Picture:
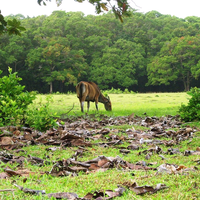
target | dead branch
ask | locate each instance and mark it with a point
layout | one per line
(7, 190)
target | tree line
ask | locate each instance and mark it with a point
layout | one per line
(146, 53)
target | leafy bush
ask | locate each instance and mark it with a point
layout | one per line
(39, 116)
(14, 105)
(191, 111)
(119, 91)
(13, 100)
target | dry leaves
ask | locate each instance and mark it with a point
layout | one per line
(80, 132)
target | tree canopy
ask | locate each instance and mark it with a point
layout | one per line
(147, 52)
(120, 8)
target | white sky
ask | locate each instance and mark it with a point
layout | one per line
(179, 8)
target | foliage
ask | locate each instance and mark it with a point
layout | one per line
(177, 60)
(15, 105)
(119, 63)
(13, 100)
(118, 91)
(191, 111)
(10, 26)
(120, 9)
(59, 50)
(39, 116)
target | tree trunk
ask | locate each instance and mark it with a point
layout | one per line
(51, 87)
(61, 87)
(186, 82)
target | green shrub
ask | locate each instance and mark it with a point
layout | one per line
(39, 116)
(13, 100)
(118, 91)
(14, 105)
(191, 111)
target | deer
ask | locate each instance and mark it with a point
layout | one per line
(89, 91)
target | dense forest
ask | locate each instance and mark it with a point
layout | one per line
(146, 53)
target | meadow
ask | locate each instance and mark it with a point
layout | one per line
(180, 186)
(153, 104)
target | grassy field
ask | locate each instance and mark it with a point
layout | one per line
(181, 186)
(153, 104)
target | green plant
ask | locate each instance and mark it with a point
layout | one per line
(39, 115)
(126, 91)
(13, 100)
(191, 111)
(118, 91)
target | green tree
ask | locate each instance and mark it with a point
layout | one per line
(16, 51)
(120, 65)
(10, 26)
(175, 61)
(54, 60)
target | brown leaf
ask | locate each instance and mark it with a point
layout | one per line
(104, 131)
(109, 194)
(138, 167)
(12, 172)
(112, 194)
(11, 146)
(6, 141)
(63, 195)
(17, 132)
(198, 149)
(180, 167)
(93, 166)
(77, 169)
(148, 156)
(69, 136)
(143, 189)
(130, 185)
(22, 172)
(79, 142)
(125, 151)
(133, 147)
(102, 162)
(28, 136)
(4, 175)
(94, 195)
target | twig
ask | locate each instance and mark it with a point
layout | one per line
(7, 190)
(69, 110)
(30, 191)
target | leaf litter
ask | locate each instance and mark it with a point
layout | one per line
(81, 132)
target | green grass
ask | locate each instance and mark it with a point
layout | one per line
(181, 186)
(153, 104)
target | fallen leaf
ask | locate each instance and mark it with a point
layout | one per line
(63, 195)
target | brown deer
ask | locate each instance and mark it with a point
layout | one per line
(89, 91)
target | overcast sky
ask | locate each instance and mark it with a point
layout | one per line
(179, 8)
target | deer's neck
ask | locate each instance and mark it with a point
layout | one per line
(102, 99)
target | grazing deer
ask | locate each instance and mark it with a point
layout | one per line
(89, 91)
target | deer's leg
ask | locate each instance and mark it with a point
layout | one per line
(96, 104)
(82, 106)
(88, 105)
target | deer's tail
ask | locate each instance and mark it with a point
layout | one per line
(81, 89)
